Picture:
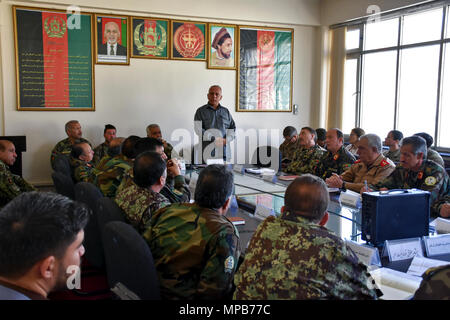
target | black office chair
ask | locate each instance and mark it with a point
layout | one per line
(130, 261)
(63, 184)
(62, 164)
(108, 211)
(89, 194)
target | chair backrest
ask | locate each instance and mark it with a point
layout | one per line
(89, 194)
(107, 211)
(130, 261)
(62, 164)
(264, 155)
(63, 184)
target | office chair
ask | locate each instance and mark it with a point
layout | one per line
(130, 261)
(63, 184)
(89, 194)
(62, 164)
(107, 211)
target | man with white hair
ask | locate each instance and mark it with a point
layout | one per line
(372, 166)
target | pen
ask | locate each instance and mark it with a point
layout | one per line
(365, 185)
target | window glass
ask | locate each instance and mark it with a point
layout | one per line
(444, 136)
(352, 39)
(381, 34)
(423, 26)
(418, 90)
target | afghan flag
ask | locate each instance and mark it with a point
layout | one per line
(265, 69)
(54, 60)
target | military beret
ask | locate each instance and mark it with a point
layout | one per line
(219, 35)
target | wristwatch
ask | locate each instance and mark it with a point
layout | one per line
(343, 186)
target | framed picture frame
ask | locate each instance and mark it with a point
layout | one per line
(111, 40)
(150, 38)
(222, 46)
(265, 59)
(188, 40)
(52, 73)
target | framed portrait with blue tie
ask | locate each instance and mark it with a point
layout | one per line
(112, 40)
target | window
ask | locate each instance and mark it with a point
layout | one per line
(403, 71)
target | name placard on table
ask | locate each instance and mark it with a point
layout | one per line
(366, 254)
(403, 249)
(437, 245)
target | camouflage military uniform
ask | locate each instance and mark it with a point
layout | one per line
(337, 163)
(110, 178)
(435, 284)
(139, 204)
(393, 155)
(11, 185)
(99, 152)
(169, 150)
(291, 258)
(64, 147)
(82, 171)
(288, 149)
(306, 160)
(430, 177)
(196, 251)
(435, 156)
(359, 172)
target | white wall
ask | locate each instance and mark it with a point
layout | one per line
(166, 92)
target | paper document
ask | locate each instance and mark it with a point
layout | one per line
(350, 198)
(260, 170)
(420, 264)
(442, 225)
(395, 285)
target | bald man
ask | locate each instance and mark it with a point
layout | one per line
(112, 47)
(11, 185)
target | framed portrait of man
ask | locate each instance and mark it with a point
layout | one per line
(150, 38)
(222, 46)
(188, 40)
(111, 40)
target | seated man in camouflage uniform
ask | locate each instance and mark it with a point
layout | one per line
(154, 131)
(289, 145)
(195, 247)
(11, 185)
(415, 171)
(336, 159)
(81, 163)
(141, 198)
(372, 166)
(296, 257)
(64, 147)
(307, 157)
(393, 140)
(175, 189)
(432, 155)
(321, 136)
(109, 133)
(435, 284)
(113, 171)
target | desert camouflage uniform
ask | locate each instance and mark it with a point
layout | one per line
(288, 149)
(11, 185)
(196, 251)
(430, 177)
(306, 160)
(337, 163)
(292, 258)
(99, 152)
(435, 156)
(435, 284)
(139, 204)
(64, 147)
(110, 178)
(359, 172)
(82, 171)
(393, 155)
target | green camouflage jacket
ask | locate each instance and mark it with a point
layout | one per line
(435, 156)
(99, 152)
(430, 177)
(11, 185)
(288, 149)
(196, 251)
(393, 155)
(110, 178)
(291, 258)
(337, 163)
(306, 160)
(139, 204)
(82, 171)
(64, 147)
(435, 284)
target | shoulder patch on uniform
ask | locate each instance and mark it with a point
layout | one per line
(430, 181)
(229, 264)
(384, 163)
(336, 156)
(357, 161)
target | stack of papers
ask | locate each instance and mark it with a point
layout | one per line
(260, 170)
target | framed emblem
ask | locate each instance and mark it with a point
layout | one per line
(222, 46)
(111, 40)
(188, 40)
(54, 60)
(150, 38)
